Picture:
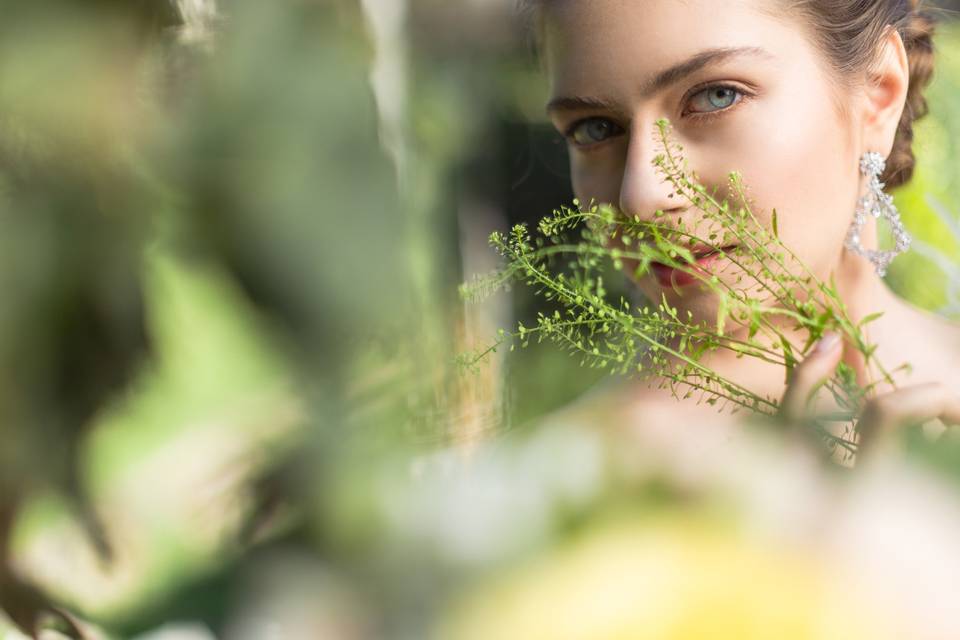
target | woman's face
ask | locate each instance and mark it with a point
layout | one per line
(743, 90)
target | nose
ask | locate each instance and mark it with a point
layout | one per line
(644, 189)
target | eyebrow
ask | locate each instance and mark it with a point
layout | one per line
(663, 79)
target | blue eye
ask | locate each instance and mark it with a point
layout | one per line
(715, 98)
(592, 130)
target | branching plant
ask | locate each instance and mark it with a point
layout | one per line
(771, 306)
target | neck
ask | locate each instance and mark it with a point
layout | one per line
(865, 293)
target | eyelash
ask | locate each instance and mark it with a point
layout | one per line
(699, 118)
(706, 116)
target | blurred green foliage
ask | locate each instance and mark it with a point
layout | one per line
(298, 291)
(277, 259)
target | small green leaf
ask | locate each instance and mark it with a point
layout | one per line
(870, 318)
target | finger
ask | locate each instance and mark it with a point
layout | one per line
(884, 415)
(807, 376)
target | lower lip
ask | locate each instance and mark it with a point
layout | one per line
(669, 277)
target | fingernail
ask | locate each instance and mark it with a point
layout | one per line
(827, 343)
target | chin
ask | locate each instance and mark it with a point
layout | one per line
(701, 302)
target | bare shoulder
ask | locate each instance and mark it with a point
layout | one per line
(950, 338)
(927, 341)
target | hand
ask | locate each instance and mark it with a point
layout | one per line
(883, 415)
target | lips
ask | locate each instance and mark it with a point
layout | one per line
(704, 256)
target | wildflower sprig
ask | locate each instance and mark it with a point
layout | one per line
(772, 299)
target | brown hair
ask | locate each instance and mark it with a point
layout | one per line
(848, 32)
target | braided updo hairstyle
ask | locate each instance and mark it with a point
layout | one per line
(847, 33)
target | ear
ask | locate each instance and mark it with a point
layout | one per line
(885, 95)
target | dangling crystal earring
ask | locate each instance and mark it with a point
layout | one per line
(878, 204)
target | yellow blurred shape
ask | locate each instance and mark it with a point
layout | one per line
(677, 577)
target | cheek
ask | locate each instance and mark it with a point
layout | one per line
(797, 157)
(598, 175)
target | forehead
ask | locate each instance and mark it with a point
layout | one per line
(596, 43)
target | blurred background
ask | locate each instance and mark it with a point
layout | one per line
(233, 234)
